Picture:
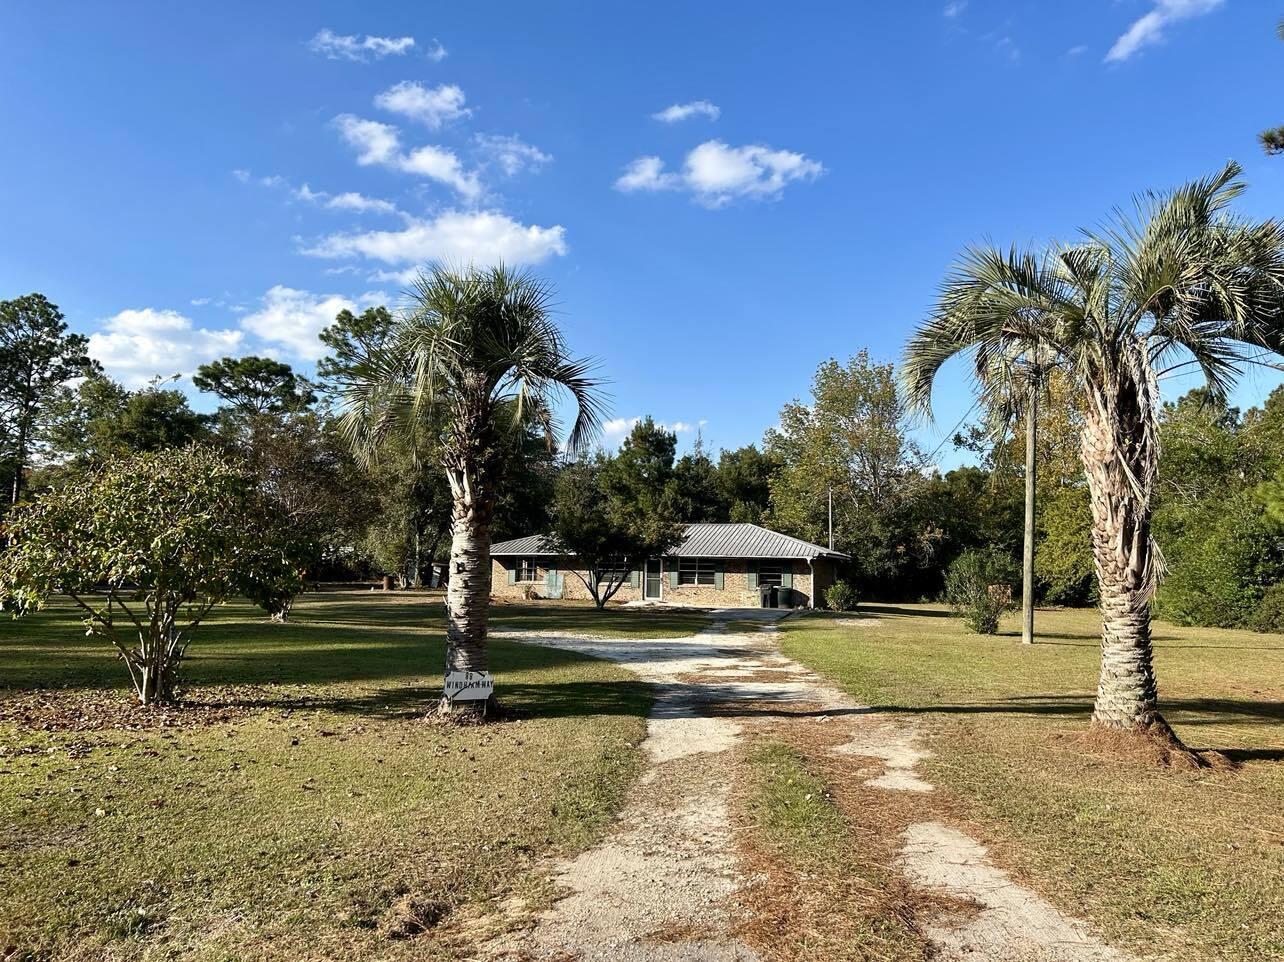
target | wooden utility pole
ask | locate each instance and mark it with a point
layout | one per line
(831, 517)
(1027, 567)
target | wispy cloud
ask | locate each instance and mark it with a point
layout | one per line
(715, 173)
(380, 144)
(431, 106)
(436, 53)
(347, 201)
(510, 153)
(955, 9)
(678, 112)
(1149, 29)
(356, 48)
(245, 177)
(1078, 50)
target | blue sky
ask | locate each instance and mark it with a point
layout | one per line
(193, 180)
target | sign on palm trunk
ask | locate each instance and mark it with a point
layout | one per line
(469, 685)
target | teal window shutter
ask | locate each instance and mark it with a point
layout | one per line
(673, 572)
(753, 576)
(511, 565)
(718, 575)
(787, 575)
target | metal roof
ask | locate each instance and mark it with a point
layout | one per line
(701, 541)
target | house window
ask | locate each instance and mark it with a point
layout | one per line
(771, 576)
(610, 576)
(697, 571)
(527, 570)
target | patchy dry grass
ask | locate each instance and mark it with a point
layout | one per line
(1185, 864)
(302, 809)
(819, 849)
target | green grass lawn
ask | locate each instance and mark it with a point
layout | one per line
(614, 621)
(1186, 864)
(301, 808)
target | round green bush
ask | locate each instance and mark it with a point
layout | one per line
(840, 596)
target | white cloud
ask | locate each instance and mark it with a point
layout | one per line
(352, 47)
(376, 143)
(717, 174)
(293, 318)
(678, 112)
(646, 173)
(1149, 29)
(481, 237)
(440, 164)
(436, 53)
(955, 9)
(380, 144)
(431, 106)
(242, 175)
(137, 345)
(349, 200)
(511, 154)
(616, 430)
(1078, 50)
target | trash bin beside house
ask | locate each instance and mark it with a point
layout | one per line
(784, 597)
(768, 596)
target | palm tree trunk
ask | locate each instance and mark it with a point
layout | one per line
(1127, 696)
(1027, 561)
(468, 590)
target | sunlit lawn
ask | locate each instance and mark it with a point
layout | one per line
(302, 808)
(1192, 861)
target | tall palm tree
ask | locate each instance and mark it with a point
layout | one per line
(476, 356)
(1179, 281)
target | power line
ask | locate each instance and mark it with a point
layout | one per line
(950, 434)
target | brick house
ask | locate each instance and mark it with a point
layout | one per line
(715, 566)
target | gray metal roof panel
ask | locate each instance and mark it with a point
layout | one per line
(701, 541)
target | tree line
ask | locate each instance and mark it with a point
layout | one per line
(460, 386)
(849, 444)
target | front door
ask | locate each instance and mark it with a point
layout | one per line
(653, 579)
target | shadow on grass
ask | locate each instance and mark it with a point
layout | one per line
(518, 701)
(1242, 755)
(866, 608)
(1219, 711)
(1161, 641)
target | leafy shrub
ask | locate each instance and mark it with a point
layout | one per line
(146, 547)
(978, 585)
(840, 596)
(1221, 556)
(1269, 615)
